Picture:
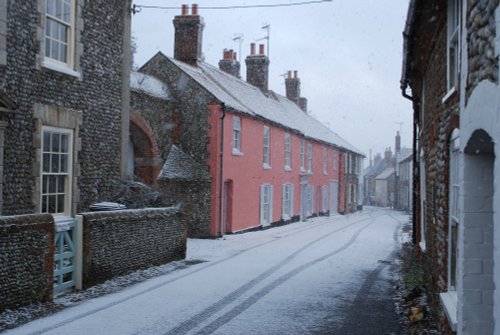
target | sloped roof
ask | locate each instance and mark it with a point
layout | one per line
(386, 173)
(181, 166)
(243, 97)
(144, 83)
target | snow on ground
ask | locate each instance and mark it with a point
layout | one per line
(288, 278)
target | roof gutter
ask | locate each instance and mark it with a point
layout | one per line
(410, 20)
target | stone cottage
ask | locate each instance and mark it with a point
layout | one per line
(252, 157)
(64, 101)
(451, 53)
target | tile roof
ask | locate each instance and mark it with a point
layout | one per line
(243, 97)
(181, 166)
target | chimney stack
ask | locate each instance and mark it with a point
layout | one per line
(388, 156)
(229, 64)
(188, 35)
(292, 86)
(398, 144)
(258, 68)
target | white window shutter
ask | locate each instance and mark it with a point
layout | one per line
(271, 203)
(262, 190)
(283, 190)
(292, 200)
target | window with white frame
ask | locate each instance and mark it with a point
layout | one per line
(287, 201)
(302, 155)
(335, 160)
(309, 158)
(59, 31)
(454, 211)
(266, 204)
(325, 198)
(346, 164)
(236, 135)
(325, 161)
(267, 147)
(56, 172)
(453, 43)
(288, 152)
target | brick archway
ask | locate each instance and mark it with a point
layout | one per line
(146, 162)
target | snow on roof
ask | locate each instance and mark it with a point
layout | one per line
(386, 173)
(144, 83)
(181, 166)
(246, 98)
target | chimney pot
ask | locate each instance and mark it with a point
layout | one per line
(252, 49)
(184, 9)
(261, 49)
(234, 55)
(295, 74)
(188, 36)
(289, 74)
(194, 9)
(229, 64)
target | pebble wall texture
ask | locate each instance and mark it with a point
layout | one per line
(96, 94)
(481, 34)
(26, 260)
(117, 243)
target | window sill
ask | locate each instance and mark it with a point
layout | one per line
(287, 168)
(449, 301)
(266, 166)
(60, 68)
(448, 95)
(236, 152)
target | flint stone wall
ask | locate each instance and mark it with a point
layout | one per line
(26, 260)
(119, 242)
(481, 35)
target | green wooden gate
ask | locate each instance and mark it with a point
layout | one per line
(64, 255)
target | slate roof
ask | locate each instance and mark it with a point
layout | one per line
(181, 166)
(386, 173)
(144, 83)
(243, 97)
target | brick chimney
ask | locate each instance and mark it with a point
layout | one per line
(229, 64)
(398, 144)
(188, 35)
(292, 85)
(388, 156)
(258, 68)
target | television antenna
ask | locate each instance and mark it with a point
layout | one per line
(267, 28)
(238, 38)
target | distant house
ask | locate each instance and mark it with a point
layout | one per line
(64, 92)
(405, 183)
(385, 187)
(451, 55)
(265, 160)
(370, 174)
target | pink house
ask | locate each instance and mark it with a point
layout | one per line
(268, 161)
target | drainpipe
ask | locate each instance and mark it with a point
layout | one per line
(221, 180)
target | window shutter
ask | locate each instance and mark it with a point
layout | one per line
(262, 190)
(292, 200)
(271, 203)
(283, 190)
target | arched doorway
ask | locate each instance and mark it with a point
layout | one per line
(144, 160)
(478, 230)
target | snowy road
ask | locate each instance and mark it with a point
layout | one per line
(323, 276)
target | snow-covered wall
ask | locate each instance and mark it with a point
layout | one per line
(119, 242)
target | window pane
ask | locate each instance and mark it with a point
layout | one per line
(44, 208)
(67, 11)
(52, 204)
(64, 163)
(52, 184)
(64, 143)
(60, 203)
(55, 163)
(54, 50)
(60, 184)
(45, 184)
(46, 141)
(46, 162)
(55, 142)
(58, 12)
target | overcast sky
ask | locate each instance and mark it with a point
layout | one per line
(348, 55)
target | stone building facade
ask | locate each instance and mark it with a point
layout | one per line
(451, 64)
(64, 92)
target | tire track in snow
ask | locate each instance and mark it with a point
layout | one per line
(171, 280)
(197, 319)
